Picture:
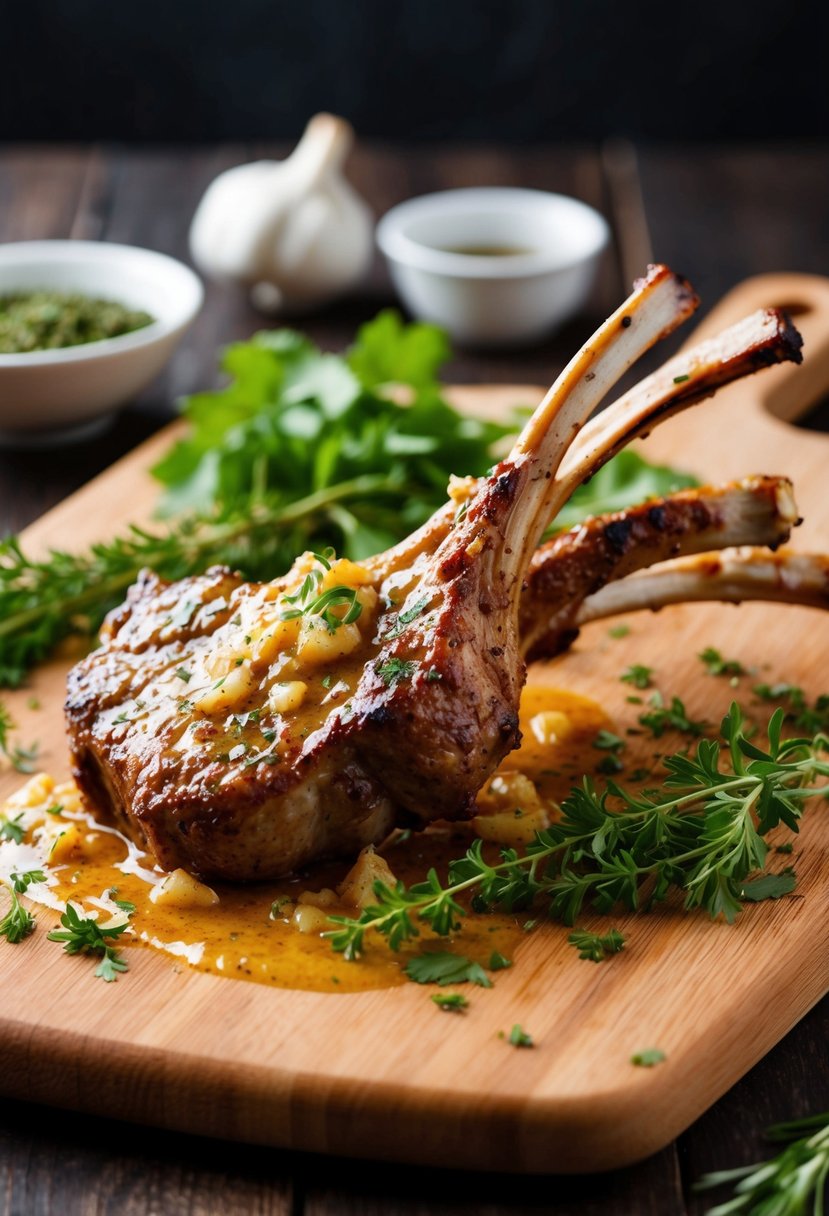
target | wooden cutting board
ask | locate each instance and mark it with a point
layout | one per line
(385, 1074)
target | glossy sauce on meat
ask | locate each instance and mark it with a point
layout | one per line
(250, 933)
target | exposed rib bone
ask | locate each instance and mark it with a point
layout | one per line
(783, 578)
(575, 565)
(764, 338)
(760, 340)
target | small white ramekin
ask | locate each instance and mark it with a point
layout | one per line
(49, 394)
(493, 299)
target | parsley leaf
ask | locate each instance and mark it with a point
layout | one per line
(441, 967)
(83, 935)
(18, 922)
(770, 886)
(395, 669)
(595, 947)
(518, 1037)
(452, 1002)
(716, 665)
(672, 717)
(648, 1058)
(638, 675)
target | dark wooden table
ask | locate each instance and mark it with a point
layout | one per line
(716, 215)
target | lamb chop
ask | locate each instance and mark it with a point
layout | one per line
(241, 731)
(578, 566)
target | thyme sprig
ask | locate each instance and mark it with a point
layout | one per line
(702, 835)
(793, 1183)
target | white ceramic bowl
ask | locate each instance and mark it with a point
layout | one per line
(50, 394)
(493, 299)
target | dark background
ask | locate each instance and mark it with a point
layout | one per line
(525, 70)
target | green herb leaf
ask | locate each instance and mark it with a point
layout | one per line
(769, 886)
(716, 665)
(638, 675)
(83, 935)
(624, 481)
(790, 1184)
(440, 967)
(395, 669)
(519, 1037)
(595, 947)
(672, 717)
(648, 1058)
(452, 1002)
(497, 962)
(18, 923)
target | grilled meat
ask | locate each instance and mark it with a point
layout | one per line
(242, 730)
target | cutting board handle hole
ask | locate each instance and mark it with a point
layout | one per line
(816, 417)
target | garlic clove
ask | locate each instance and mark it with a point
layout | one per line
(293, 230)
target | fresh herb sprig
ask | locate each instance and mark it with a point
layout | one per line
(596, 947)
(83, 935)
(309, 601)
(18, 922)
(794, 1183)
(21, 758)
(300, 450)
(703, 835)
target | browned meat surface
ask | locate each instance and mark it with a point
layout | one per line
(244, 730)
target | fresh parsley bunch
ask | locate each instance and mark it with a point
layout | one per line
(301, 450)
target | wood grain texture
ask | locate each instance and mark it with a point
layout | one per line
(308, 1070)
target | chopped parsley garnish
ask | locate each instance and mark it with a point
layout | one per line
(798, 712)
(518, 1037)
(618, 631)
(595, 947)
(606, 741)
(395, 669)
(184, 674)
(451, 1002)
(716, 665)
(638, 675)
(497, 962)
(11, 828)
(770, 886)
(18, 922)
(663, 717)
(440, 967)
(310, 602)
(681, 379)
(406, 618)
(648, 1058)
(83, 935)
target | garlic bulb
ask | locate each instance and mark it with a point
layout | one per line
(294, 230)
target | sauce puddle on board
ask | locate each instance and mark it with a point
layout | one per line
(250, 932)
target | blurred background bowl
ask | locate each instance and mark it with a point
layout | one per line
(50, 395)
(493, 266)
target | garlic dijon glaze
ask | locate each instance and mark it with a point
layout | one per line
(272, 933)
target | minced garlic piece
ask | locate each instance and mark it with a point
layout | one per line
(318, 644)
(510, 811)
(282, 698)
(181, 890)
(357, 888)
(227, 692)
